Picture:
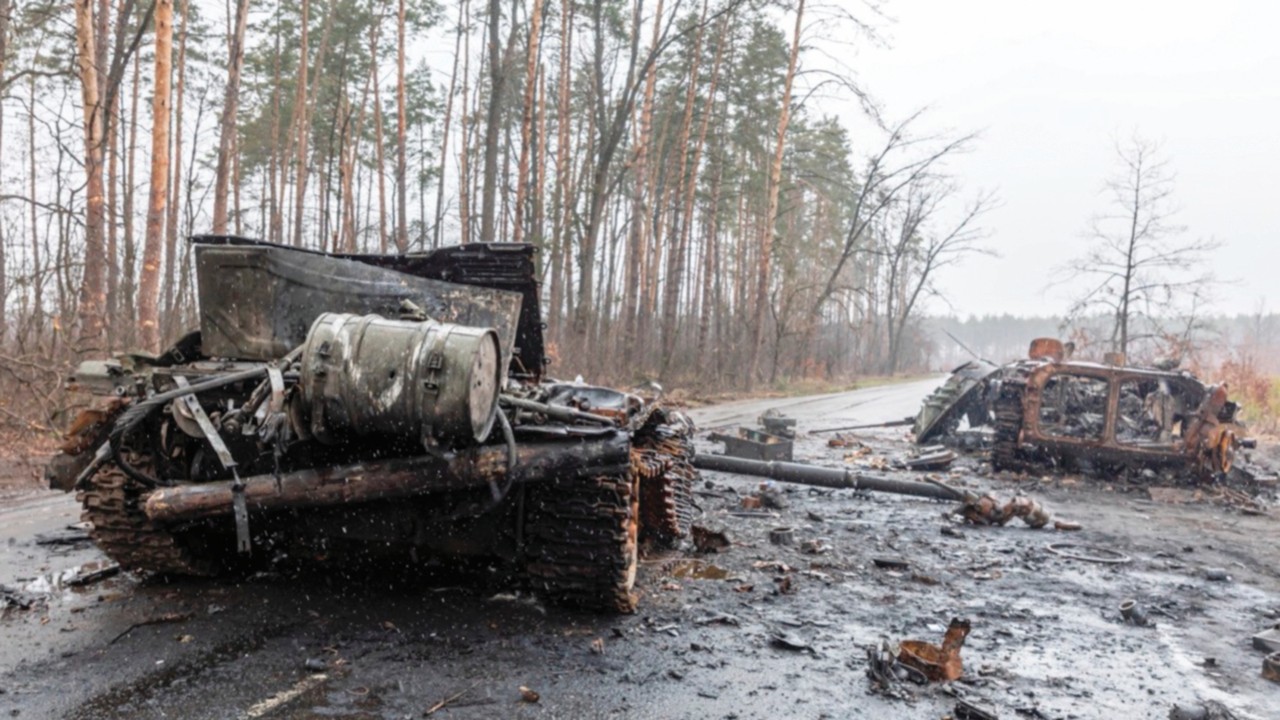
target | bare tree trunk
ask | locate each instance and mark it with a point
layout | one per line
(351, 157)
(497, 79)
(380, 155)
(537, 234)
(171, 295)
(402, 213)
(526, 122)
(277, 163)
(37, 269)
(464, 174)
(301, 140)
(92, 285)
(448, 118)
(771, 216)
(128, 265)
(4, 240)
(640, 230)
(688, 180)
(227, 131)
(561, 198)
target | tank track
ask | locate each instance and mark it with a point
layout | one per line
(112, 502)
(1005, 451)
(663, 461)
(582, 540)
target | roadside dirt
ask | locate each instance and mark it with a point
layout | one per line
(757, 631)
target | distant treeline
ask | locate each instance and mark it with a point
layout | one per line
(1204, 342)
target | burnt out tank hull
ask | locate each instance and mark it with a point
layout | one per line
(388, 404)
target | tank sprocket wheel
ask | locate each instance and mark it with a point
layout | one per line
(112, 503)
(582, 540)
(663, 460)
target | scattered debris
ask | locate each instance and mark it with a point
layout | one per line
(782, 536)
(966, 710)
(698, 570)
(597, 646)
(1207, 711)
(1133, 613)
(315, 665)
(88, 576)
(776, 423)
(1271, 667)
(816, 546)
(706, 540)
(1067, 525)
(719, 618)
(788, 641)
(890, 563)
(938, 663)
(10, 598)
(1217, 575)
(752, 444)
(1088, 553)
(446, 702)
(1268, 640)
(158, 620)
(935, 457)
(70, 535)
(986, 510)
(528, 695)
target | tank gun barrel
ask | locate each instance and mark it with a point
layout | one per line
(802, 474)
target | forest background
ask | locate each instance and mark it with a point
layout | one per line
(706, 213)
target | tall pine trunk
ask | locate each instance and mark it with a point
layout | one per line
(771, 215)
(227, 129)
(93, 281)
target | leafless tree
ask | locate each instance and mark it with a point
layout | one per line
(1139, 265)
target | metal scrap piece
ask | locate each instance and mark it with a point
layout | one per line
(938, 663)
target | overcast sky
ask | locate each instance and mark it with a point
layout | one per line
(1052, 86)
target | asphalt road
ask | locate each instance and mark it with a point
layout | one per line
(401, 642)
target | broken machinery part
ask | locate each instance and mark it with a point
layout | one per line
(938, 663)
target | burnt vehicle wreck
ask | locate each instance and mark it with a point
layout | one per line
(1048, 411)
(351, 406)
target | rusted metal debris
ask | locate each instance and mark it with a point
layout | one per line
(753, 444)
(939, 663)
(776, 423)
(707, 540)
(1271, 667)
(1050, 411)
(987, 510)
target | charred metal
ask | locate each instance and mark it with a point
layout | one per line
(395, 403)
(1051, 412)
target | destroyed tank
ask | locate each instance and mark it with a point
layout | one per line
(1049, 410)
(353, 406)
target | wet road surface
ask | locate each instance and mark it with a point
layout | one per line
(1046, 642)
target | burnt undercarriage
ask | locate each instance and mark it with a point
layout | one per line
(331, 409)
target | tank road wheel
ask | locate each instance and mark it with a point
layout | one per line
(1005, 452)
(582, 540)
(663, 460)
(112, 502)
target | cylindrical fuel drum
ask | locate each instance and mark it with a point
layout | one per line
(367, 375)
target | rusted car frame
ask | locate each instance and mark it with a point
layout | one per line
(1110, 417)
